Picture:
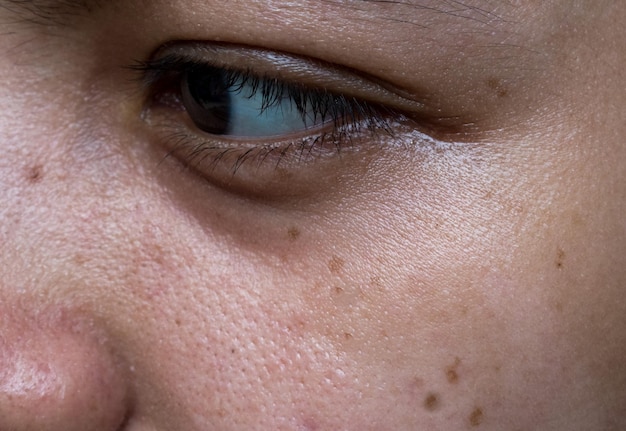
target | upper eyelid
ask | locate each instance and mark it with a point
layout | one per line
(311, 73)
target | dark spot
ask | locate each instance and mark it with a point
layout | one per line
(431, 403)
(558, 306)
(451, 372)
(560, 258)
(178, 322)
(293, 234)
(498, 87)
(233, 351)
(452, 375)
(35, 173)
(347, 336)
(476, 418)
(336, 264)
(338, 290)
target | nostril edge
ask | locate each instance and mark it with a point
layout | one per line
(58, 375)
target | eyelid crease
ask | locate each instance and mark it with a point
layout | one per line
(306, 71)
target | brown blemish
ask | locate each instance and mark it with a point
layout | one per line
(293, 233)
(498, 87)
(35, 174)
(336, 264)
(178, 322)
(560, 258)
(431, 403)
(347, 336)
(558, 306)
(452, 373)
(476, 418)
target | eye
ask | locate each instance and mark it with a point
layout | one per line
(222, 102)
(235, 114)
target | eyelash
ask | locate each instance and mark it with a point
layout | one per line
(344, 118)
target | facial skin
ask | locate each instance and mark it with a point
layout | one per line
(465, 271)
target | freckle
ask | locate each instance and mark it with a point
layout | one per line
(431, 403)
(558, 306)
(560, 257)
(336, 264)
(452, 376)
(347, 336)
(476, 418)
(35, 174)
(293, 234)
(497, 85)
(451, 372)
(178, 322)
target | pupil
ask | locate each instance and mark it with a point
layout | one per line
(207, 99)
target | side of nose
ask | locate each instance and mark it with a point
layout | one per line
(57, 373)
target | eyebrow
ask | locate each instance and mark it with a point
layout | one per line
(51, 12)
(64, 12)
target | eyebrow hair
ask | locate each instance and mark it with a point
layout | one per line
(63, 12)
(50, 12)
(452, 8)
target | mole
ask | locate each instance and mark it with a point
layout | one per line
(476, 418)
(451, 372)
(560, 257)
(431, 403)
(35, 174)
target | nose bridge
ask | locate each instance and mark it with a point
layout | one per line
(58, 374)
